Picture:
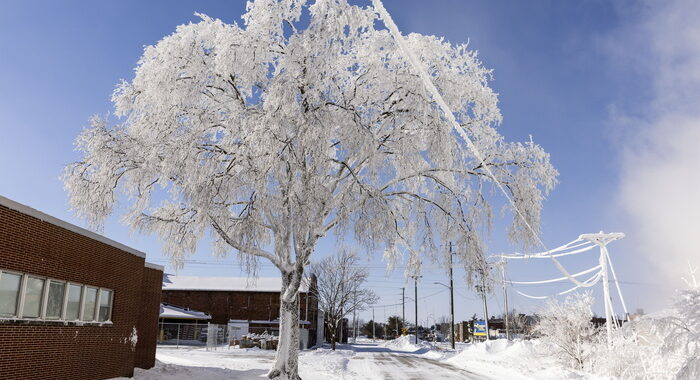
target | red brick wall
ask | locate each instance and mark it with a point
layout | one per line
(224, 306)
(45, 350)
(148, 320)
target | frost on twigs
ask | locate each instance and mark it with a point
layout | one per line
(664, 345)
(567, 331)
(271, 134)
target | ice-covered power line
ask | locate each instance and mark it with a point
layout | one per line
(597, 267)
(430, 86)
(601, 240)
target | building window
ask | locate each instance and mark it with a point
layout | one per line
(73, 302)
(28, 296)
(34, 290)
(105, 312)
(89, 304)
(9, 293)
(54, 299)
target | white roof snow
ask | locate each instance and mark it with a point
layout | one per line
(240, 284)
(170, 311)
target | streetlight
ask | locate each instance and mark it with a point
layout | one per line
(452, 302)
(452, 312)
(427, 323)
(415, 284)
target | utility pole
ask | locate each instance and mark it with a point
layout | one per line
(505, 296)
(606, 294)
(486, 313)
(452, 303)
(403, 305)
(397, 327)
(374, 335)
(415, 294)
(482, 289)
(354, 317)
(602, 239)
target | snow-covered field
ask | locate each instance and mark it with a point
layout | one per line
(398, 359)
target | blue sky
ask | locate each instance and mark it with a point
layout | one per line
(559, 74)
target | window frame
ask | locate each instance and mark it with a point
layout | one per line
(65, 301)
(26, 277)
(99, 303)
(18, 302)
(94, 308)
(45, 301)
(44, 298)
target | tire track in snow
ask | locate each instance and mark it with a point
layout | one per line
(394, 366)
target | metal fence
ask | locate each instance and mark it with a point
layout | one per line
(208, 335)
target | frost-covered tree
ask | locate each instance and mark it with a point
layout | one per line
(686, 335)
(567, 330)
(663, 345)
(273, 133)
(340, 288)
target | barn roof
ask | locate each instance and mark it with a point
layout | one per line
(239, 284)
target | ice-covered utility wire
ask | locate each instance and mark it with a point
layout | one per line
(586, 284)
(529, 296)
(394, 30)
(544, 255)
(553, 279)
(589, 283)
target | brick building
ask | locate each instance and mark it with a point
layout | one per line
(250, 304)
(73, 304)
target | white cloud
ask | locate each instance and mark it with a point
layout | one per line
(659, 188)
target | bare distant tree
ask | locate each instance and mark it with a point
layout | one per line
(340, 291)
(443, 325)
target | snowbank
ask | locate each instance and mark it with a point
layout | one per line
(423, 349)
(513, 360)
(405, 343)
(397, 359)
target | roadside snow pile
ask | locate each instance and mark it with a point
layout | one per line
(241, 364)
(325, 360)
(405, 343)
(163, 371)
(514, 360)
(424, 349)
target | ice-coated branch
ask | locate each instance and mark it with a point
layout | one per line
(272, 134)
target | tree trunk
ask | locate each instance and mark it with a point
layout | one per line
(287, 358)
(333, 340)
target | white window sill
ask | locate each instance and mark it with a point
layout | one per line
(52, 322)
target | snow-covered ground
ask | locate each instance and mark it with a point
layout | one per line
(398, 359)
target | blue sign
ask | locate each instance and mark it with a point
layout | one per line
(479, 328)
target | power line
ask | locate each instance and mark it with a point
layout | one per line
(420, 298)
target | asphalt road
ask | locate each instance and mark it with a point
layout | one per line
(387, 364)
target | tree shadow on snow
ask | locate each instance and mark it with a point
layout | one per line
(364, 347)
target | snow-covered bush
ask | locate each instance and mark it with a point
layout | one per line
(566, 330)
(686, 334)
(664, 345)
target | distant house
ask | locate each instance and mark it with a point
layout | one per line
(249, 305)
(73, 304)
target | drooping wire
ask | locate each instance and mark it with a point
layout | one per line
(428, 83)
